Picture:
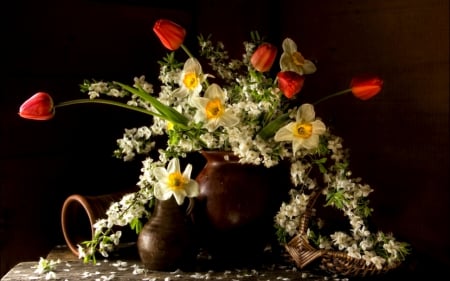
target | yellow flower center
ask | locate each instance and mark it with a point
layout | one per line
(303, 130)
(190, 80)
(176, 181)
(214, 109)
(298, 59)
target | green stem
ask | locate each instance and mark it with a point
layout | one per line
(332, 96)
(186, 50)
(109, 102)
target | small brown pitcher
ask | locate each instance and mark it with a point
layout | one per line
(79, 214)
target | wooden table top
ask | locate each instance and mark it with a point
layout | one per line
(71, 268)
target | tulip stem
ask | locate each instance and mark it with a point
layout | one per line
(333, 95)
(186, 50)
(109, 102)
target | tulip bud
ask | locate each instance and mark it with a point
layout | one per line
(290, 83)
(364, 87)
(263, 58)
(171, 34)
(38, 107)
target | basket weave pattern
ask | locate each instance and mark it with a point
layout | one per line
(332, 261)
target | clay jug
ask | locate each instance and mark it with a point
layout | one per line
(165, 243)
(79, 213)
(234, 213)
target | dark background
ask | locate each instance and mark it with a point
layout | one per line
(399, 140)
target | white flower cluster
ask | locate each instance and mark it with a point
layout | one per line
(131, 207)
(135, 141)
(290, 213)
(228, 111)
(250, 97)
(47, 267)
(348, 195)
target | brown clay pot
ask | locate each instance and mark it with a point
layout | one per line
(234, 213)
(166, 241)
(79, 213)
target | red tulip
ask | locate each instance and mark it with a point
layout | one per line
(38, 107)
(290, 83)
(263, 58)
(171, 34)
(364, 86)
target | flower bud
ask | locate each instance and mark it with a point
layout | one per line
(365, 86)
(263, 58)
(171, 34)
(290, 83)
(38, 107)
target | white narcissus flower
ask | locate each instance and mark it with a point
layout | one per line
(191, 79)
(172, 182)
(304, 132)
(292, 60)
(212, 109)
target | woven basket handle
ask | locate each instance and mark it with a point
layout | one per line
(299, 248)
(304, 220)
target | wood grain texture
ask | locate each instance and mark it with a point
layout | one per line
(133, 271)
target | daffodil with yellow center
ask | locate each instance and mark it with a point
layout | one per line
(176, 181)
(293, 60)
(304, 132)
(172, 182)
(191, 79)
(212, 110)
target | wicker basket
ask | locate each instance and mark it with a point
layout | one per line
(334, 262)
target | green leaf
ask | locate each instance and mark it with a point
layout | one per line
(170, 61)
(136, 225)
(281, 234)
(336, 199)
(320, 163)
(364, 210)
(270, 129)
(321, 160)
(168, 113)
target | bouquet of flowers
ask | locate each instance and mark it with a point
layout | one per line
(237, 106)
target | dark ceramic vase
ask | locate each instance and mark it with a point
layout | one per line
(165, 243)
(234, 213)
